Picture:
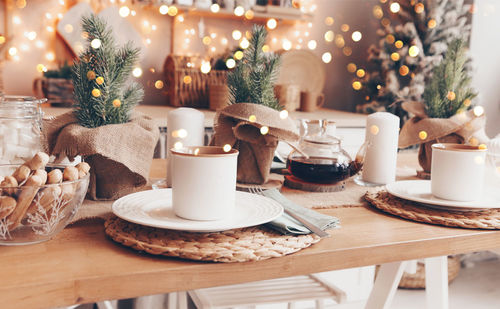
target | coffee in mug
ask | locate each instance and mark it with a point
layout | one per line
(311, 101)
(204, 182)
(457, 171)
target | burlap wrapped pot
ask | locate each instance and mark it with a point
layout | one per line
(461, 128)
(120, 155)
(234, 126)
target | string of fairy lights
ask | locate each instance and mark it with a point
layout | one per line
(296, 36)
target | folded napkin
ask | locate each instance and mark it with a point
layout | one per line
(288, 225)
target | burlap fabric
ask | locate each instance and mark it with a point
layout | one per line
(460, 129)
(120, 155)
(233, 126)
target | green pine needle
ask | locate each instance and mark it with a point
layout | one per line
(253, 79)
(114, 65)
(449, 91)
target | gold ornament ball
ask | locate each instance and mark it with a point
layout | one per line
(117, 103)
(96, 92)
(99, 80)
(90, 75)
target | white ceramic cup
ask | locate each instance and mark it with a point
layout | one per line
(457, 171)
(203, 182)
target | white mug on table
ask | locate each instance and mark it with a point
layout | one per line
(204, 182)
(457, 171)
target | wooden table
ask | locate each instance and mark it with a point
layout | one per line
(82, 265)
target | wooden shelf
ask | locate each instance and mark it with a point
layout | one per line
(283, 16)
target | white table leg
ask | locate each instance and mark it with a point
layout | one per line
(436, 282)
(385, 286)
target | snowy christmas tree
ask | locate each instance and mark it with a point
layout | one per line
(414, 36)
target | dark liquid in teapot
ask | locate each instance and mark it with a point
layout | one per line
(322, 170)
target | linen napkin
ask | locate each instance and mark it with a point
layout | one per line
(288, 225)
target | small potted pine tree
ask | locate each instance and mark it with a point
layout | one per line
(253, 122)
(447, 114)
(116, 142)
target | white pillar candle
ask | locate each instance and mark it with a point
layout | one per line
(382, 131)
(185, 127)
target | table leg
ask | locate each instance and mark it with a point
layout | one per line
(436, 282)
(385, 286)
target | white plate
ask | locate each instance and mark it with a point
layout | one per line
(154, 208)
(420, 191)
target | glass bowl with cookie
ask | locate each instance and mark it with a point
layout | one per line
(38, 200)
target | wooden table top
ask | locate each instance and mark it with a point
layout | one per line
(82, 265)
(159, 114)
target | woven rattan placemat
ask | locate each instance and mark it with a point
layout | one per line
(238, 245)
(485, 219)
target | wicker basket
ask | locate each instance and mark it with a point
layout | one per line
(58, 91)
(188, 86)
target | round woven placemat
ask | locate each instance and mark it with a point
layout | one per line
(238, 245)
(484, 219)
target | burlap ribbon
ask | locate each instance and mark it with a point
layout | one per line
(120, 155)
(460, 128)
(234, 126)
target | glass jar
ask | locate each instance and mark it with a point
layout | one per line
(20, 128)
(317, 127)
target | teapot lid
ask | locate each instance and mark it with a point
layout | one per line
(322, 139)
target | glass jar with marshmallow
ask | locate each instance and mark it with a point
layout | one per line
(20, 128)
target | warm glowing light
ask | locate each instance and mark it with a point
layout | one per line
(419, 8)
(182, 133)
(205, 67)
(187, 79)
(374, 129)
(339, 41)
(206, 40)
(124, 11)
(347, 51)
(239, 11)
(172, 11)
(360, 73)
(50, 29)
(356, 85)
(385, 22)
(431, 23)
(21, 4)
(482, 147)
(41, 68)
(473, 141)
(422, 135)
(244, 43)
(90, 75)
(99, 80)
(344, 27)
(238, 55)
(252, 118)
(398, 44)
(16, 20)
(329, 36)
(379, 87)
(312, 44)
(395, 56)
(351, 67)
(287, 45)
(177, 145)
(326, 57)
(96, 92)
(378, 12)
(215, 8)
(163, 9)
(451, 95)
(50, 56)
(227, 148)
(2, 39)
(159, 84)
(271, 23)
(197, 151)
(413, 51)
(249, 14)
(478, 111)
(95, 43)
(230, 63)
(356, 36)
(284, 114)
(117, 103)
(390, 39)
(395, 7)
(404, 70)
(265, 48)
(467, 102)
(137, 72)
(329, 21)
(264, 130)
(236, 34)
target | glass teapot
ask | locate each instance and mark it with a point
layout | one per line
(319, 158)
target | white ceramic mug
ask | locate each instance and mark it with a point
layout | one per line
(457, 171)
(203, 182)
